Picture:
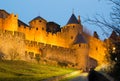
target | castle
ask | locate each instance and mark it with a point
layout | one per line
(68, 44)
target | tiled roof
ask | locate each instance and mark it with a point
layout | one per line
(73, 20)
(79, 39)
(21, 22)
(38, 17)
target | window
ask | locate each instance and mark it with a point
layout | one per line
(40, 21)
(36, 28)
(29, 28)
(42, 28)
(79, 45)
(96, 48)
(71, 37)
(73, 26)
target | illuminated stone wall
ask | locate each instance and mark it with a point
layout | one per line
(57, 46)
(76, 56)
(9, 23)
(37, 32)
(97, 50)
(12, 45)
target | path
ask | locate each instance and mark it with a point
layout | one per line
(82, 77)
(93, 76)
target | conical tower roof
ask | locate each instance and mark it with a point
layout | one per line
(73, 20)
(113, 35)
(79, 39)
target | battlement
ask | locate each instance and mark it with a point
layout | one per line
(12, 33)
(39, 44)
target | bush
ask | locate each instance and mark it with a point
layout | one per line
(37, 57)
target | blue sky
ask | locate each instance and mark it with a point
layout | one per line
(57, 10)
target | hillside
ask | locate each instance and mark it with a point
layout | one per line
(24, 71)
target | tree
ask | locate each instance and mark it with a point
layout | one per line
(2, 55)
(114, 21)
(114, 24)
(37, 57)
(115, 57)
(13, 54)
(31, 55)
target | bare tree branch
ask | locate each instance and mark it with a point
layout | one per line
(114, 21)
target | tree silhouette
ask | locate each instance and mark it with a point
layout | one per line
(114, 24)
(114, 21)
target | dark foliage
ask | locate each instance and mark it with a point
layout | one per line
(95, 76)
(114, 21)
(115, 56)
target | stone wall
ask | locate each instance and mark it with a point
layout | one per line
(34, 39)
(10, 22)
(97, 50)
(76, 56)
(37, 32)
(12, 44)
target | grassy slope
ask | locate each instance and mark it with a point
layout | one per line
(24, 71)
(70, 77)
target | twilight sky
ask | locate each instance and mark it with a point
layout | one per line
(58, 11)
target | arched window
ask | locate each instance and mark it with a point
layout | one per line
(40, 21)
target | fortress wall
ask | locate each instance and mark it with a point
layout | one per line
(51, 52)
(21, 28)
(11, 23)
(97, 50)
(60, 54)
(1, 23)
(56, 39)
(36, 40)
(12, 44)
(38, 33)
(78, 55)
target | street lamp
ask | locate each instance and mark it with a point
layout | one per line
(113, 50)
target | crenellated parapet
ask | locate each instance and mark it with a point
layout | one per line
(11, 23)
(97, 50)
(12, 44)
(7, 33)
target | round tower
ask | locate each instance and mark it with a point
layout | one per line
(81, 46)
(73, 28)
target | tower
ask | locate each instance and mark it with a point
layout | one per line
(38, 23)
(73, 28)
(8, 21)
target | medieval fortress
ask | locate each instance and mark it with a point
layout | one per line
(68, 44)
